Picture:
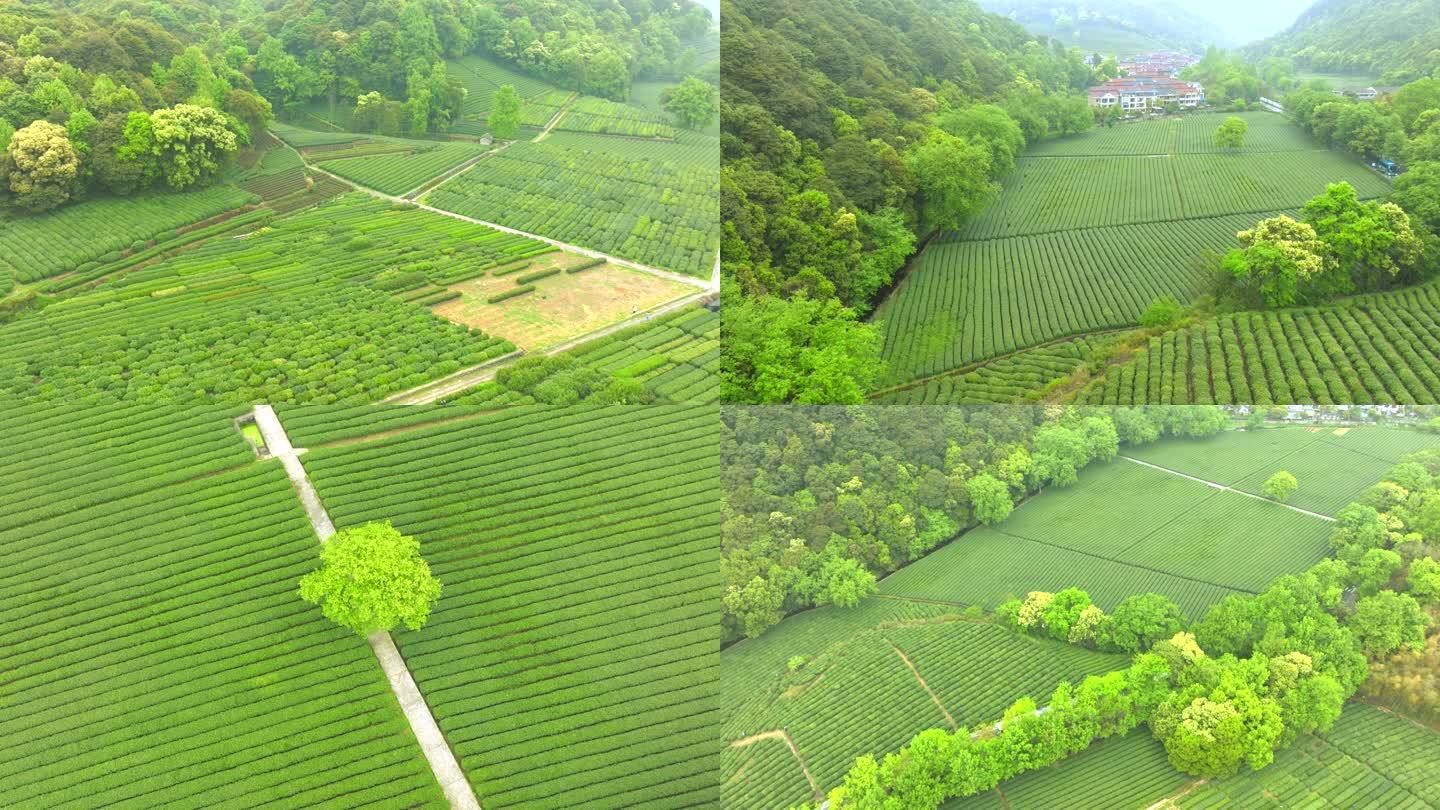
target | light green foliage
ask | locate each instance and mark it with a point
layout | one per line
(1163, 311)
(796, 351)
(504, 117)
(1278, 260)
(1230, 135)
(991, 126)
(989, 499)
(1389, 621)
(1418, 190)
(1280, 486)
(371, 579)
(41, 165)
(694, 102)
(954, 179)
(1424, 580)
(192, 143)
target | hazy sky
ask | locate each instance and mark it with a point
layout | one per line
(1242, 20)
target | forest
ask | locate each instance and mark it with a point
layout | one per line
(101, 97)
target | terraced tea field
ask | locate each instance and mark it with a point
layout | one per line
(1188, 134)
(589, 114)
(572, 658)
(662, 211)
(676, 357)
(400, 172)
(1020, 376)
(1172, 536)
(156, 652)
(1089, 230)
(855, 692)
(1125, 528)
(293, 313)
(36, 247)
(481, 77)
(1379, 348)
(1370, 758)
(967, 301)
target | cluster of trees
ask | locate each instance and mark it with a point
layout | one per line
(822, 501)
(846, 137)
(1396, 39)
(1249, 679)
(1340, 245)
(66, 130)
(1231, 133)
(1228, 79)
(1171, 25)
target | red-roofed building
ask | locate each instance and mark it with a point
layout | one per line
(1144, 92)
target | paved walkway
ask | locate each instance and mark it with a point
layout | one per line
(442, 760)
(1229, 489)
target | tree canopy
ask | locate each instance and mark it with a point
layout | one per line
(371, 579)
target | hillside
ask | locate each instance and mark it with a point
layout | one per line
(1396, 39)
(847, 136)
(1117, 27)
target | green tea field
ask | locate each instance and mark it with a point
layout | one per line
(1175, 536)
(1378, 348)
(156, 652)
(1089, 229)
(653, 203)
(296, 311)
(868, 679)
(573, 657)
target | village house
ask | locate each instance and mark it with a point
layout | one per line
(1145, 92)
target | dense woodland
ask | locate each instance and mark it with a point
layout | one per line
(121, 97)
(1398, 40)
(848, 134)
(821, 501)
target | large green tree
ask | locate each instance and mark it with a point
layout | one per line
(41, 165)
(694, 102)
(192, 144)
(371, 579)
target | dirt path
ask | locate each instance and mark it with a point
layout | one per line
(1229, 489)
(465, 379)
(427, 732)
(780, 734)
(555, 119)
(923, 684)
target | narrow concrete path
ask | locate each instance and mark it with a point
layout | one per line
(1214, 485)
(467, 378)
(427, 732)
(555, 119)
(780, 734)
